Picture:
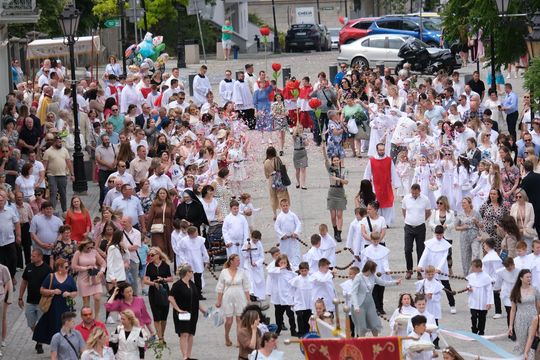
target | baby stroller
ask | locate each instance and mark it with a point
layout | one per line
(216, 246)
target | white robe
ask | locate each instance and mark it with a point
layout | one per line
(235, 231)
(226, 91)
(282, 294)
(201, 87)
(430, 321)
(534, 263)
(346, 288)
(286, 224)
(323, 287)
(379, 255)
(395, 328)
(491, 262)
(176, 238)
(435, 254)
(482, 290)
(480, 192)
(312, 257)
(194, 252)
(355, 240)
(253, 263)
(504, 281)
(433, 287)
(242, 96)
(413, 355)
(302, 289)
(328, 248)
(129, 96)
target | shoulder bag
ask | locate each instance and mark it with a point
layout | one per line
(72, 346)
(159, 228)
(186, 316)
(136, 252)
(46, 300)
(536, 339)
(284, 176)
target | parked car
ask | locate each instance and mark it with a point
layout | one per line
(372, 50)
(355, 29)
(308, 36)
(334, 36)
(409, 25)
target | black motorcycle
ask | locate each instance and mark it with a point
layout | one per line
(427, 60)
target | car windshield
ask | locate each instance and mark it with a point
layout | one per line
(432, 25)
(333, 32)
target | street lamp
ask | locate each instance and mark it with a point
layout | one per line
(277, 45)
(69, 22)
(180, 43)
(502, 6)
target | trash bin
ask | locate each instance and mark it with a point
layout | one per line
(190, 82)
(236, 50)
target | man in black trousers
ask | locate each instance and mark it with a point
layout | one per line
(531, 185)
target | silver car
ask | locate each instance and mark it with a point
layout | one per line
(373, 50)
(334, 35)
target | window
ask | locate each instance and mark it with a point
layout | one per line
(365, 43)
(390, 24)
(410, 26)
(362, 25)
(376, 43)
(395, 43)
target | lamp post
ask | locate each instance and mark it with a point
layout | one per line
(277, 45)
(502, 8)
(69, 22)
(180, 43)
(122, 8)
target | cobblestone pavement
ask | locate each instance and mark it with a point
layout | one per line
(310, 206)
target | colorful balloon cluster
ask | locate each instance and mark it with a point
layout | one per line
(149, 50)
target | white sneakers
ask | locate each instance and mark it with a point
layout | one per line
(497, 316)
(453, 310)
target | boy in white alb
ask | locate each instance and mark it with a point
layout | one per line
(328, 245)
(179, 232)
(480, 296)
(522, 259)
(346, 288)
(355, 240)
(505, 278)
(379, 255)
(288, 228)
(323, 286)
(431, 289)
(491, 262)
(195, 254)
(253, 253)
(235, 231)
(422, 336)
(420, 304)
(436, 254)
(302, 289)
(314, 254)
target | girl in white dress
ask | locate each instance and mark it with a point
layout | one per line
(480, 192)
(405, 309)
(464, 179)
(425, 176)
(236, 157)
(431, 288)
(445, 173)
(378, 126)
(404, 171)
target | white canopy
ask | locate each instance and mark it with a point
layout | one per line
(53, 48)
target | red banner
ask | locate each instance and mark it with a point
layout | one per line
(376, 348)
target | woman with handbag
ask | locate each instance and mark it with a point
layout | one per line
(525, 302)
(522, 210)
(159, 221)
(57, 289)
(90, 269)
(184, 298)
(509, 230)
(273, 167)
(157, 277)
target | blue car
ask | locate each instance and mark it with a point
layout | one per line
(409, 25)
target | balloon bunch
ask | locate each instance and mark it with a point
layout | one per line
(149, 51)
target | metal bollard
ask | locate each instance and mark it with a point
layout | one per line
(332, 72)
(190, 81)
(238, 72)
(286, 74)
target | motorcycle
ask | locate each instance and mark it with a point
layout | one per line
(428, 60)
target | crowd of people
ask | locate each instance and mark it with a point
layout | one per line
(459, 160)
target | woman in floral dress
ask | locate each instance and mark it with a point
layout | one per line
(509, 180)
(222, 192)
(64, 247)
(492, 213)
(262, 108)
(336, 129)
(279, 115)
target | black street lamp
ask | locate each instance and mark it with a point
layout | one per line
(180, 43)
(502, 8)
(69, 22)
(277, 45)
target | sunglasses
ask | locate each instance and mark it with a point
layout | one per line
(114, 109)
(519, 197)
(439, 203)
(526, 97)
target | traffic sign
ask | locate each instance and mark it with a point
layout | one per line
(112, 23)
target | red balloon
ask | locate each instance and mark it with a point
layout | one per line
(314, 103)
(342, 20)
(276, 67)
(265, 31)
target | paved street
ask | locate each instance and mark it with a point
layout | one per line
(310, 206)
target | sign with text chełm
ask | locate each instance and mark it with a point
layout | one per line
(305, 15)
(112, 23)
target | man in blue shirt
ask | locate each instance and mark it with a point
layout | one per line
(510, 107)
(526, 140)
(68, 343)
(340, 75)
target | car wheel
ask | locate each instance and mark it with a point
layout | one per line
(360, 61)
(432, 44)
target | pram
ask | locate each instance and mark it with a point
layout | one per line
(216, 246)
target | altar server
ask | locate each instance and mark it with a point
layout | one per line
(235, 231)
(288, 228)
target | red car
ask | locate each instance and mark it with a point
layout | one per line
(355, 29)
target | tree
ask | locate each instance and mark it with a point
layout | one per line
(156, 10)
(462, 18)
(532, 81)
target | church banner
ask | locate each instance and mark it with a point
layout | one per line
(376, 348)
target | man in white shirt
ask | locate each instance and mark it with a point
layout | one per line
(114, 192)
(462, 133)
(121, 173)
(44, 78)
(173, 89)
(226, 87)
(38, 170)
(132, 242)
(416, 209)
(201, 86)
(457, 84)
(468, 92)
(250, 77)
(139, 166)
(175, 76)
(129, 96)
(463, 105)
(160, 180)
(243, 100)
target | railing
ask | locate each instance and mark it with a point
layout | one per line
(17, 7)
